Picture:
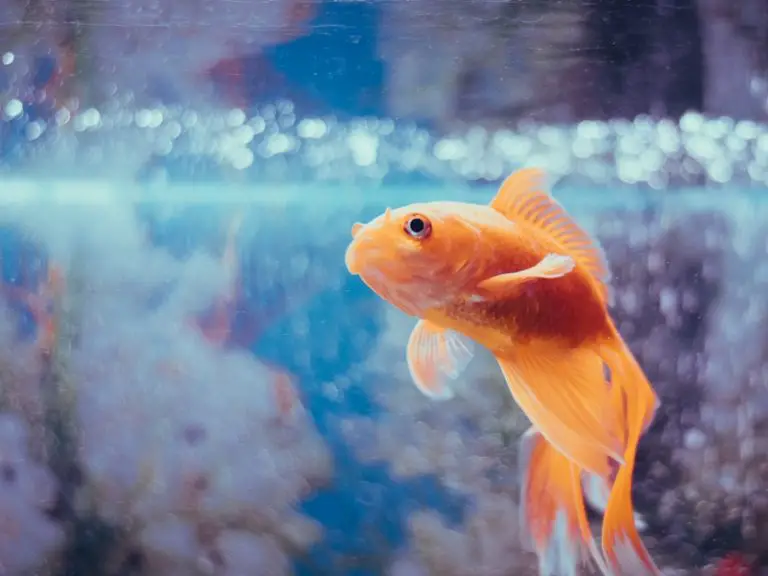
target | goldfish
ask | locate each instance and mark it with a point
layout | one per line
(521, 278)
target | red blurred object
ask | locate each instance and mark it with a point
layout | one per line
(59, 87)
(230, 72)
(300, 14)
(733, 564)
(40, 302)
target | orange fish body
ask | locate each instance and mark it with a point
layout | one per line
(522, 279)
(566, 310)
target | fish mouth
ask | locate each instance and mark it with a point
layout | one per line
(358, 255)
(376, 268)
(363, 256)
(352, 260)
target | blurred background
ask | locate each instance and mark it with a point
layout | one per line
(436, 62)
(190, 381)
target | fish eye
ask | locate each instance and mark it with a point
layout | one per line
(417, 226)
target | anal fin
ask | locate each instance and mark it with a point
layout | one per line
(597, 491)
(565, 395)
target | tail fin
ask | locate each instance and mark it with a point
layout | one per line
(624, 550)
(553, 516)
(597, 489)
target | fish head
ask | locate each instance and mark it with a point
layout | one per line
(418, 257)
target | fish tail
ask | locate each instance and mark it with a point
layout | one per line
(622, 546)
(597, 489)
(552, 511)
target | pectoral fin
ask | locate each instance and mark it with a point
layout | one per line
(550, 267)
(435, 356)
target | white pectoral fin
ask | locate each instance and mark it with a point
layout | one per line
(436, 356)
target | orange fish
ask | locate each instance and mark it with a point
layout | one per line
(522, 279)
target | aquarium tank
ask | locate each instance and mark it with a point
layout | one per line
(202, 372)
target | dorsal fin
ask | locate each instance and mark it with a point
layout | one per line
(523, 196)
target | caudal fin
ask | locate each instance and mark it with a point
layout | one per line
(552, 512)
(597, 489)
(623, 549)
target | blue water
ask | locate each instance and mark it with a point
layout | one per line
(333, 70)
(364, 509)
